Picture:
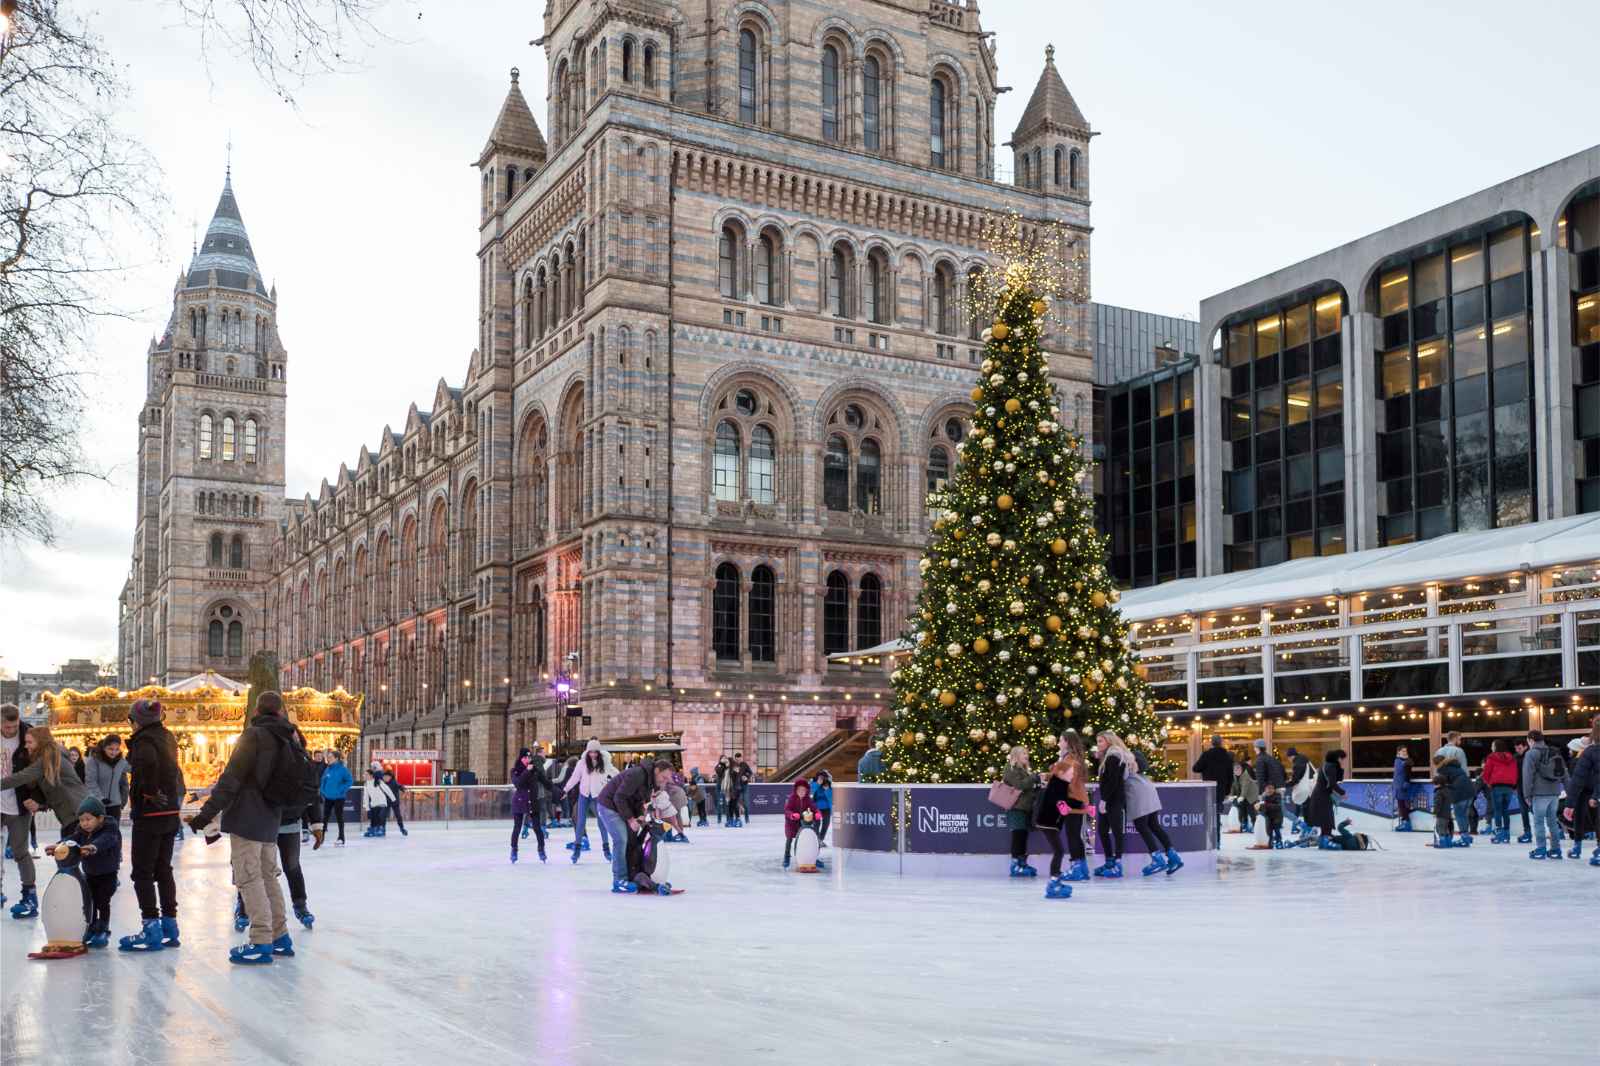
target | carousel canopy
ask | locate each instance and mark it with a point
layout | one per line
(208, 679)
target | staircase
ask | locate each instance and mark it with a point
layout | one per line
(837, 753)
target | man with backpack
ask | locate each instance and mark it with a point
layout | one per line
(1543, 771)
(268, 771)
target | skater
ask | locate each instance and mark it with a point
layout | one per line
(378, 799)
(335, 787)
(1452, 750)
(266, 766)
(15, 811)
(289, 843)
(622, 806)
(1144, 809)
(1268, 771)
(1299, 767)
(75, 758)
(822, 796)
(1062, 809)
(53, 784)
(1500, 774)
(397, 789)
(107, 775)
(1020, 776)
(739, 776)
(1583, 791)
(1216, 765)
(870, 766)
(1402, 789)
(528, 782)
(98, 856)
(719, 776)
(1271, 808)
(155, 801)
(1544, 770)
(797, 809)
(1245, 796)
(588, 779)
(1320, 809)
(1446, 776)
(1115, 766)
(697, 796)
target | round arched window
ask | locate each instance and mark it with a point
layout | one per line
(745, 402)
(954, 430)
(853, 417)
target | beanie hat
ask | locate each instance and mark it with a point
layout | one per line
(92, 805)
(593, 745)
(1261, 744)
(145, 712)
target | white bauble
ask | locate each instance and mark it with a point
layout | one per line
(1001, 699)
(953, 649)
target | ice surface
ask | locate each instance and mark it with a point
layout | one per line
(434, 949)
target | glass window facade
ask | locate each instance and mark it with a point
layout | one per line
(1283, 452)
(1581, 234)
(1454, 383)
(1147, 484)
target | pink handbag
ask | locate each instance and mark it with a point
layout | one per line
(1003, 795)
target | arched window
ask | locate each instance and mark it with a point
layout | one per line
(763, 615)
(236, 552)
(227, 439)
(830, 93)
(1058, 167)
(235, 639)
(205, 436)
(249, 440)
(938, 468)
(836, 614)
(875, 287)
(1023, 179)
(728, 263)
(214, 554)
(836, 475)
(627, 59)
(725, 613)
(867, 477)
(839, 280)
(511, 182)
(1074, 170)
(944, 299)
(762, 465)
(936, 106)
(871, 101)
(747, 76)
(725, 463)
(650, 67)
(869, 612)
(769, 259)
(214, 639)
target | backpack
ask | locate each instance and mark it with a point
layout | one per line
(294, 779)
(1551, 767)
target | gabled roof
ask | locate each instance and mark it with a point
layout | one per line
(515, 130)
(1051, 104)
(226, 248)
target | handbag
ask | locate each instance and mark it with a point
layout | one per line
(1304, 786)
(1003, 795)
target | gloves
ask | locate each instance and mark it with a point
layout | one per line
(1062, 808)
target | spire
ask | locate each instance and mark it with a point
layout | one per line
(226, 247)
(515, 129)
(1050, 104)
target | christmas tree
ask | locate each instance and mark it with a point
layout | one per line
(1017, 635)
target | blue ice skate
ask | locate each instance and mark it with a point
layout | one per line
(1157, 863)
(251, 955)
(98, 938)
(283, 946)
(1525, 838)
(307, 919)
(241, 920)
(624, 886)
(1555, 851)
(1078, 871)
(1328, 844)
(1575, 853)
(169, 933)
(513, 856)
(1594, 860)
(1174, 862)
(1022, 869)
(1057, 889)
(28, 905)
(1464, 840)
(148, 938)
(1538, 853)
(1444, 841)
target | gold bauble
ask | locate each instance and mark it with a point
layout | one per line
(1000, 331)
(1142, 670)
(907, 738)
(1013, 405)
(1019, 722)
(959, 534)
(977, 395)
(1051, 700)
(1039, 307)
(981, 645)
(1053, 623)
(1058, 546)
(1090, 684)
(1097, 598)
(947, 698)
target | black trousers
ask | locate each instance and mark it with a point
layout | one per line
(1067, 839)
(1152, 832)
(827, 819)
(152, 872)
(99, 889)
(330, 808)
(394, 809)
(1019, 845)
(531, 818)
(1111, 831)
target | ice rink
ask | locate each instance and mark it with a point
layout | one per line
(434, 949)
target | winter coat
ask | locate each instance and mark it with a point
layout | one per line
(375, 794)
(1402, 773)
(155, 783)
(107, 841)
(62, 797)
(589, 782)
(527, 783)
(1113, 781)
(822, 795)
(1027, 783)
(870, 767)
(237, 794)
(1531, 781)
(1455, 783)
(629, 792)
(1244, 788)
(1269, 771)
(1055, 793)
(1500, 768)
(1216, 765)
(1454, 754)
(1143, 798)
(794, 811)
(1319, 809)
(1583, 778)
(108, 781)
(336, 781)
(739, 776)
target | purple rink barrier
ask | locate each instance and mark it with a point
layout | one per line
(953, 830)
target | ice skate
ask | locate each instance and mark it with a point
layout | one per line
(1594, 860)
(1157, 863)
(283, 946)
(28, 905)
(541, 853)
(1057, 889)
(1575, 853)
(251, 955)
(1114, 869)
(169, 933)
(1555, 852)
(1538, 853)
(99, 938)
(1174, 862)
(1022, 869)
(307, 919)
(513, 856)
(146, 939)
(577, 853)
(1525, 838)
(1328, 844)
(623, 885)
(1464, 840)
(1078, 871)
(1101, 870)
(786, 865)
(241, 920)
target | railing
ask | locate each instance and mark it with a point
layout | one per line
(231, 381)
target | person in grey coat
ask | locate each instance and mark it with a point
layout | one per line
(106, 774)
(50, 773)
(1543, 775)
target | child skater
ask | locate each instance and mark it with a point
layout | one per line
(1444, 770)
(378, 798)
(98, 855)
(1271, 808)
(800, 808)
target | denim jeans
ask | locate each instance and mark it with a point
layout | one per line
(1544, 817)
(613, 824)
(1500, 797)
(1461, 810)
(580, 824)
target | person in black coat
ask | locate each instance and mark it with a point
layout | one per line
(529, 783)
(1320, 808)
(1298, 767)
(394, 805)
(1216, 765)
(155, 800)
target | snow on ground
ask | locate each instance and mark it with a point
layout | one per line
(434, 949)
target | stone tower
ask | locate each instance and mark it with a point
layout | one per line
(211, 467)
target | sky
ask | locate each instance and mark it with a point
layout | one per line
(1233, 139)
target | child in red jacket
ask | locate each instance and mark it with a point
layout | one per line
(798, 811)
(1500, 774)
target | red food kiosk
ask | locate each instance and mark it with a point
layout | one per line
(411, 766)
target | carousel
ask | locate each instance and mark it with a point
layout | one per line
(206, 714)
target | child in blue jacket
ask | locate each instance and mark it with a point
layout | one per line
(94, 846)
(822, 796)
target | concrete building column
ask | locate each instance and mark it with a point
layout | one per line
(1357, 340)
(1552, 380)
